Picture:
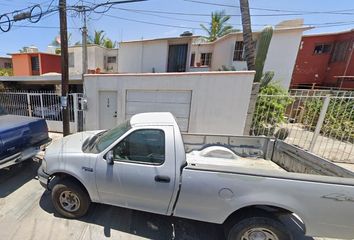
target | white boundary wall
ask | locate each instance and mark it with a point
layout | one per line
(219, 99)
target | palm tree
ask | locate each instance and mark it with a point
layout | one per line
(218, 26)
(247, 34)
(97, 38)
(108, 43)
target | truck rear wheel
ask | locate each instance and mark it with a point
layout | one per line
(69, 199)
(258, 228)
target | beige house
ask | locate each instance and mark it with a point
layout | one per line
(105, 59)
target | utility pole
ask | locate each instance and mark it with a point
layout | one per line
(64, 66)
(84, 46)
(84, 62)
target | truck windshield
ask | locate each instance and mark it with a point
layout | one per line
(110, 136)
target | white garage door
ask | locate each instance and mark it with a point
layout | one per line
(176, 102)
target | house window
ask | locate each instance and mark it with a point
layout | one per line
(192, 59)
(322, 48)
(35, 63)
(7, 65)
(71, 60)
(111, 59)
(205, 59)
(238, 51)
(340, 51)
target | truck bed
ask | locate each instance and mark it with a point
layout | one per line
(240, 163)
(261, 153)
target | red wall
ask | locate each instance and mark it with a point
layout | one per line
(50, 63)
(22, 63)
(316, 68)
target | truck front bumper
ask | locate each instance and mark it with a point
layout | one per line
(43, 178)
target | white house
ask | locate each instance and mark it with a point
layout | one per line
(189, 54)
(105, 59)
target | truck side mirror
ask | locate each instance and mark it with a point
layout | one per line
(109, 157)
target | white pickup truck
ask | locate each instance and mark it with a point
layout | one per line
(244, 183)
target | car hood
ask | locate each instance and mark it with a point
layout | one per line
(69, 144)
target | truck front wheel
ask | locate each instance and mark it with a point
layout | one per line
(69, 199)
(258, 228)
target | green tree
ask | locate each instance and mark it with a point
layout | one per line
(98, 38)
(108, 43)
(218, 26)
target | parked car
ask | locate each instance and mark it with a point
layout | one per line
(50, 111)
(246, 185)
(21, 138)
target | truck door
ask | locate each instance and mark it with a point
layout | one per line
(143, 173)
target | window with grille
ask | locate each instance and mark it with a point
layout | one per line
(238, 52)
(71, 60)
(111, 59)
(35, 63)
(340, 51)
(7, 65)
(205, 59)
(322, 48)
(192, 59)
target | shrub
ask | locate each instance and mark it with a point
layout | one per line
(339, 119)
(6, 72)
(270, 109)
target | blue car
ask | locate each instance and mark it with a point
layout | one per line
(21, 138)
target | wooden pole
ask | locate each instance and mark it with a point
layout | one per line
(64, 67)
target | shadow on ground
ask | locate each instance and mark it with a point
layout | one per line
(154, 226)
(16, 176)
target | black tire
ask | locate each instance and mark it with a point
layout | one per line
(253, 225)
(81, 202)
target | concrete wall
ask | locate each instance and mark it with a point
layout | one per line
(143, 56)
(219, 99)
(96, 57)
(147, 56)
(50, 63)
(21, 64)
(282, 55)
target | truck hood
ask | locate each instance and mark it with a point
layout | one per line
(69, 144)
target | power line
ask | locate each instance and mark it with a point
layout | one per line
(300, 12)
(152, 23)
(146, 12)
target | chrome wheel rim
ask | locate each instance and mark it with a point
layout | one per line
(259, 234)
(69, 201)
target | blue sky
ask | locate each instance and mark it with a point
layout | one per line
(120, 29)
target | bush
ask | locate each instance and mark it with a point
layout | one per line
(339, 119)
(6, 72)
(270, 109)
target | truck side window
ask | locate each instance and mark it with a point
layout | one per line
(142, 146)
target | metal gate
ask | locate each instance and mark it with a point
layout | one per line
(321, 122)
(45, 105)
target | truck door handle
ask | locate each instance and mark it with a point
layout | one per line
(160, 178)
